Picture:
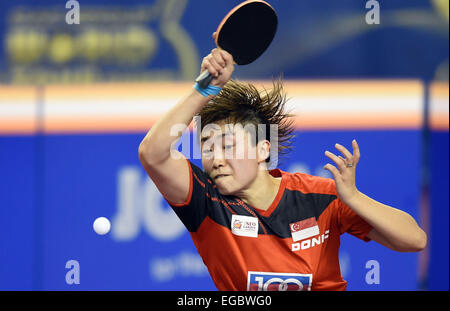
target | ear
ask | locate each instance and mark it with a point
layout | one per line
(263, 150)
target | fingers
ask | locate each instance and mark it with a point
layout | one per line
(227, 57)
(211, 64)
(217, 67)
(214, 62)
(339, 162)
(333, 170)
(349, 158)
(356, 153)
(218, 58)
(220, 65)
(206, 65)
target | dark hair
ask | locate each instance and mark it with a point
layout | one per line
(240, 102)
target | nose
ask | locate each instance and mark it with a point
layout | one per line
(218, 163)
(219, 159)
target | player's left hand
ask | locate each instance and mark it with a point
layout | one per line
(345, 173)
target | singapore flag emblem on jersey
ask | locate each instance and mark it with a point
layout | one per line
(304, 229)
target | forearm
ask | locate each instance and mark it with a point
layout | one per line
(159, 139)
(396, 227)
(155, 147)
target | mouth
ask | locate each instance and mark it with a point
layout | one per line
(220, 176)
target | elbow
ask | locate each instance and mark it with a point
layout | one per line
(414, 243)
(418, 244)
(142, 148)
(144, 152)
(149, 154)
(422, 240)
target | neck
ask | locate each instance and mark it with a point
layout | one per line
(262, 191)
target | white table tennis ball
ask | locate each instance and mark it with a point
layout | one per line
(102, 225)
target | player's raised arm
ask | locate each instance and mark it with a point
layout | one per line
(154, 151)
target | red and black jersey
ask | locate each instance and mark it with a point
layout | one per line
(293, 245)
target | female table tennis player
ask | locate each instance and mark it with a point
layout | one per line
(255, 228)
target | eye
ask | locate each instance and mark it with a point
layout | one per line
(207, 151)
(228, 147)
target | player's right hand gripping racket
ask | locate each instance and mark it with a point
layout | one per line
(245, 32)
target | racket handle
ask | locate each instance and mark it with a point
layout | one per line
(204, 79)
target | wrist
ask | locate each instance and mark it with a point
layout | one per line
(209, 90)
(354, 199)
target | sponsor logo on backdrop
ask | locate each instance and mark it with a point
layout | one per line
(183, 264)
(83, 42)
(142, 209)
(140, 206)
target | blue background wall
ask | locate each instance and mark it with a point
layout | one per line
(53, 186)
(82, 178)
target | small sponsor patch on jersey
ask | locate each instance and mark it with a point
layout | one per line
(304, 229)
(244, 226)
(275, 281)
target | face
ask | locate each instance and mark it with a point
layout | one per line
(230, 157)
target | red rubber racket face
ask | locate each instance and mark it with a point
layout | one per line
(247, 31)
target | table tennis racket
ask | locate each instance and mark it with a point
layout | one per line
(245, 32)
